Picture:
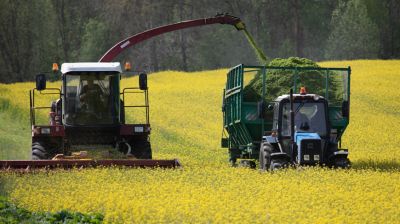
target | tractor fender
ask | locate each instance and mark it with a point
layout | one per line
(342, 153)
(270, 139)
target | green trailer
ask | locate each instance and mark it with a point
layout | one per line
(264, 128)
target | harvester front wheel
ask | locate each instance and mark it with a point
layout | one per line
(142, 150)
(39, 151)
(265, 156)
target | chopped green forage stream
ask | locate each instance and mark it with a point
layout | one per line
(260, 55)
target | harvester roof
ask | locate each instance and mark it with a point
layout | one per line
(91, 66)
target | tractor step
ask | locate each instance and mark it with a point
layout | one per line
(83, 163)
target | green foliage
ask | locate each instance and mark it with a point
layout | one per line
(354, 35)
(35, 34)
(9, 213)
(94, 40)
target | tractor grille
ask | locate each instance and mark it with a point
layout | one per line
(310, 151)
(91, 135)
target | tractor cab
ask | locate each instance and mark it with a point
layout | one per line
(310, 127)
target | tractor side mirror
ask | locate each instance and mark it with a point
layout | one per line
(261, 109)
(345, 109)
(143, 81)
(40, 82)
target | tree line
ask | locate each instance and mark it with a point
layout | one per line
(34, 34)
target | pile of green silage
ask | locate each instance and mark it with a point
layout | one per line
(279, 81)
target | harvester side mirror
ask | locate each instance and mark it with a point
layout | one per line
(345, 109)
(40, 82)
(261, 109)
(143, 81)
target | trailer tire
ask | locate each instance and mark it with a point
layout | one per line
(247, 164)
(265, 156)
(39, 151)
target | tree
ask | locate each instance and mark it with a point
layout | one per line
(354, 35)
(94, 40)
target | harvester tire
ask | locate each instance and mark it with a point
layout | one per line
(265, 156)
(38, 151)
(142, 150)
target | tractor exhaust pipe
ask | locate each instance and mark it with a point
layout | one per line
(292, 144)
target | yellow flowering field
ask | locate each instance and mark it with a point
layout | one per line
(186, 123)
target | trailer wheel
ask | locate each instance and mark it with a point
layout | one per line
(247, 164)
(265, 156)
(38, 151)
(142, 150)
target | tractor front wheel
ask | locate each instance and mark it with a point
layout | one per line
(142, 150)
(277, 164)
(343, 163)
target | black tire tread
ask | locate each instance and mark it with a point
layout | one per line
(38, 151)
(142, 150)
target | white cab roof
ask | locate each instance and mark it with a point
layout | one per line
(91, 66)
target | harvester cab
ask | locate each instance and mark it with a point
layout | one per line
(279, 129)
(90, 112)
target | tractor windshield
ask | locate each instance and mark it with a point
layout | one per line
(91, 98)
(309, 117)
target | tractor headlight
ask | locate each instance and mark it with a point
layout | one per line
(45, 131)
(138, 129)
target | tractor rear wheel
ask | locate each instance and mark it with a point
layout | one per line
(265, 156)
(142, 150)
(39, 151)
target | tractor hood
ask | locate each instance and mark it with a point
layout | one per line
(298, 136)
(91, 66)
(309, 150)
